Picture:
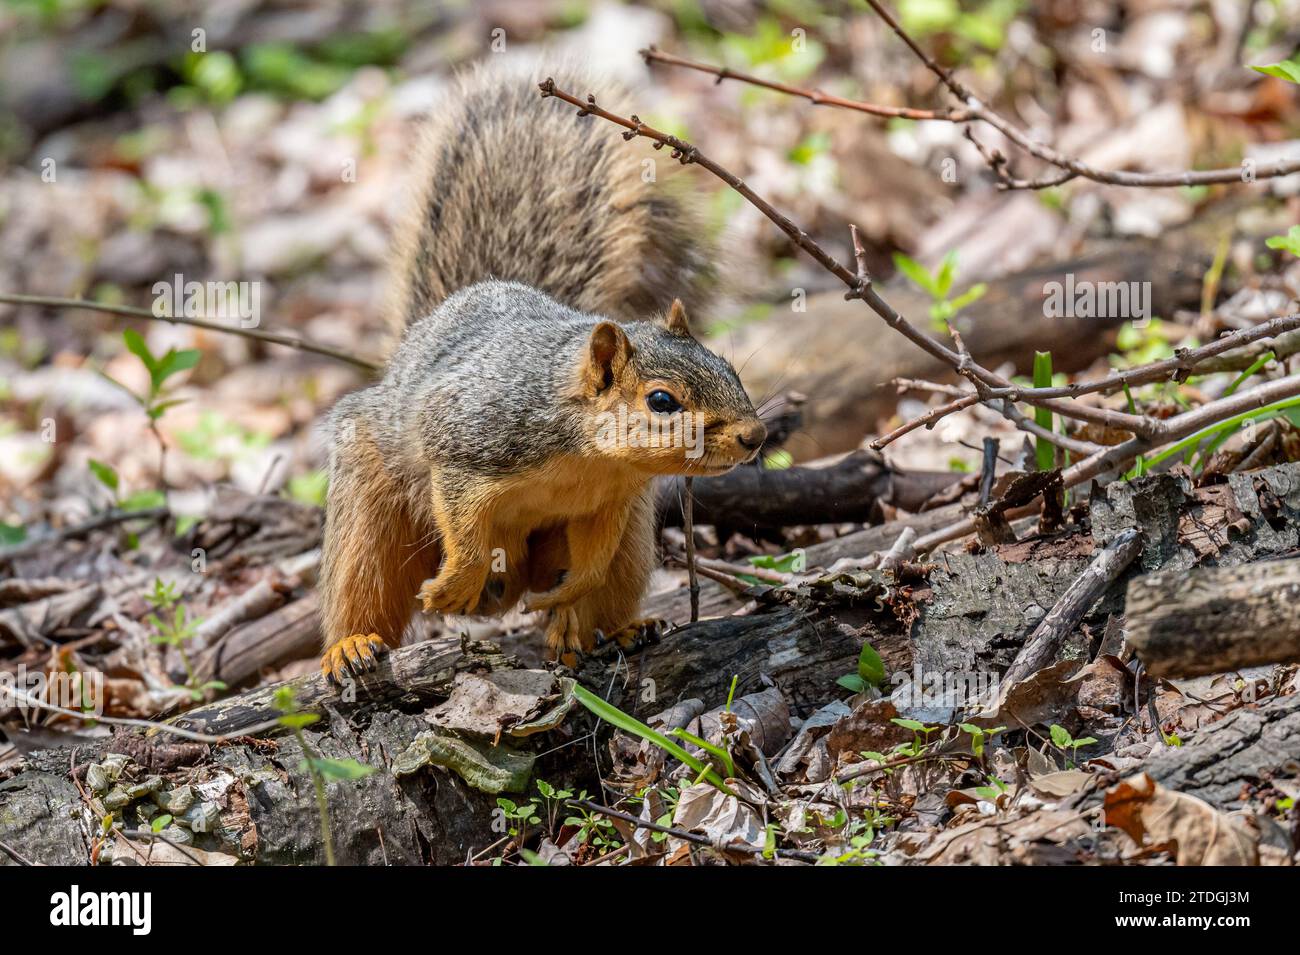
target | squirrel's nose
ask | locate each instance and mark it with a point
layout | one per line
(752, 435)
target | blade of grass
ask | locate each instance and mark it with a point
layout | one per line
(613, 715)
(1259, 363)
(710, 748)
(1268, 411)
(1044, 453)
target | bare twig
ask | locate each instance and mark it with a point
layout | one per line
(106, 519)
(23, 697)
(974, 110)
(688, 526)
(1040, 649)
(927, 420)
(274, 338)
(816, 97)
(981, 377)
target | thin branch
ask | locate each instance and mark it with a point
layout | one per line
(816, 97)
(274, 338)
(1148, 432)
(980, 376)
(106, 519)
(1123, 454)
(22, 696)
(974, 110)
(927, 420)
(688, 526)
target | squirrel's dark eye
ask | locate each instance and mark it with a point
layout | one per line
(661, 402)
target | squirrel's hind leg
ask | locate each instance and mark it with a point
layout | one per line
(375, 555)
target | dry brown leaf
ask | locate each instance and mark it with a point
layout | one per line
(1198, 833)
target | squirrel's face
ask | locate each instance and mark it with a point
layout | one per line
(662, 403)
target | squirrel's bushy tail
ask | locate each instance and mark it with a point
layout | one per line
(513, 186)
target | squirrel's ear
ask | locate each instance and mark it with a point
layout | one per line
(676, 321)
(608, 353)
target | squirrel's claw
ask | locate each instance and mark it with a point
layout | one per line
(640, 633)
(352, 655)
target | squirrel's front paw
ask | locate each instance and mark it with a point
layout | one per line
(456, 596)
(569, 590)
(352, 655)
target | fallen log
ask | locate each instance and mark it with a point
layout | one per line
(1215, 619)
(850, 490)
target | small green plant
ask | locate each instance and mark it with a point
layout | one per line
(525, 814)
(993, 790)
(1062, 740)
(1287, 243)
(943, 308)
(156, 400)
(978, 736)
(173, 627)
(593, 828)
(106, 475)
(871, 671)
(920, 736)
(321, 769)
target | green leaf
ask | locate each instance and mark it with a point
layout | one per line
(852, 682)
(870, 667)
(173, 362)
(296, 721)
(160, 823)
(156, 411)
(107, 476)
(912, 725)
(340, 768)
(1060, 736)
(135, 344)
(972, 294)
(1288, 70)
(710, 748)
(12, 534)
(143, 500)
(917, 272)
(1287, 243)
(947, 271)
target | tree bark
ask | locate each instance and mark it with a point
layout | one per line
(1216, 618)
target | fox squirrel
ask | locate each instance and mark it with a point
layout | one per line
(512, 443)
